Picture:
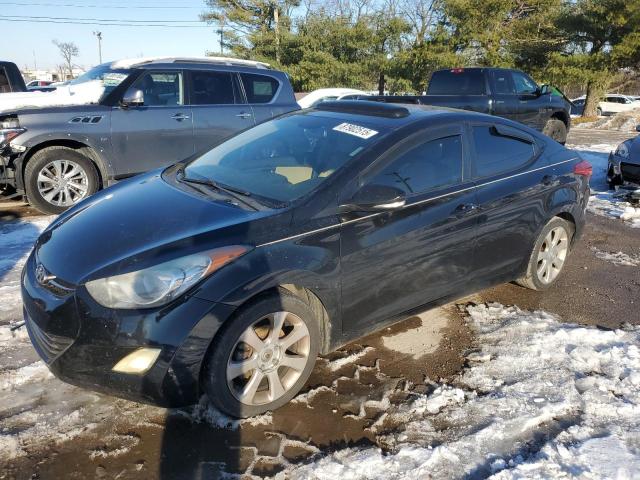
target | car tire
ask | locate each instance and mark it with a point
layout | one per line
(599, 112)
(556, 129)
(254, 391)
(549, 255)
(70, 176)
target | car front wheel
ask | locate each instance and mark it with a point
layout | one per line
(57, 178)
(262, 357)
(549, 255)
(556, 129)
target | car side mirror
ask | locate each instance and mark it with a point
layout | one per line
(544, 90)
(133, 97)
(637, 128)
(375, 198)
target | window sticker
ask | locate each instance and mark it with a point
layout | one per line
(355, 130)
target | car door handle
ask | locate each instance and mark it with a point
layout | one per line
(180, 116)
(465, 209)
(244, 115)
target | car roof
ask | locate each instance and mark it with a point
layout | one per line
(137, 62)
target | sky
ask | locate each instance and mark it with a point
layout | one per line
(33, 37)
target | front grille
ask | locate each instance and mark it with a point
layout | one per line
(47, 345)
(630, 172)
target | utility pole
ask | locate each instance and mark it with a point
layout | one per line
(220, 32)
(276, 21)
(99, 37)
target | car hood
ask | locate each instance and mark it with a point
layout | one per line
(136, 224)
(81, 94)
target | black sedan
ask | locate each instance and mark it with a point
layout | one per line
(624, 163)
(228, 273)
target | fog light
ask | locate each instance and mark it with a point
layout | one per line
(137, 362)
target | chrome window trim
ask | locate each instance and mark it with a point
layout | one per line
(431, 199)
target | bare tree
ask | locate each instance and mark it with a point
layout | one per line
(68, 51)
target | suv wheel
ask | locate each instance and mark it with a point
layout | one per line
(263, 356)
(57, 178)
(549, 255)
(556, 129)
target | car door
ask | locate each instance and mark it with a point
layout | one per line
(394, 261)
(159, 132)
(511, 187)
(218, 106)
(531, 106)
(262, 93)
(504, 99)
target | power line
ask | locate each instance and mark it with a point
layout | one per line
(66, 22)
(81, 19)
(64, 5)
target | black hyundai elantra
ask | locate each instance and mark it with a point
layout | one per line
(228, 273)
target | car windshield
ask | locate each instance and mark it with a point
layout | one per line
(284, 159)
(109, 77)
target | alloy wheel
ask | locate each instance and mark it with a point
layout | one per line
(63, 183)
(268, 358)
(552, 254)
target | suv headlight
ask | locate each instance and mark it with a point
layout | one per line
(158, 285)
(623, 149)
(9, 129)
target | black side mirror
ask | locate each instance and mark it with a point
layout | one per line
(133, 97)
(375, 198)
(637, 128)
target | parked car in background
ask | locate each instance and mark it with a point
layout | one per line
(502, 92)
(624, 163)
(41, 86)
(610, 104)
(228, 273)
(328, 94)
(148, 113)
(10, 78)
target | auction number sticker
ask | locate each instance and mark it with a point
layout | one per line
(355, 130)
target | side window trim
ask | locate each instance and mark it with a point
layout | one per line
(473, 154)
(413, 140)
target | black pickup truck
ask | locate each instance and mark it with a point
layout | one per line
(10, 78)
(497, 91)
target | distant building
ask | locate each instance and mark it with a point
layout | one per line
(51, 75)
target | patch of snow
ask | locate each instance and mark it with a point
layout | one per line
(354, 357)
(617, 258)
(80, 94)
(548, 400)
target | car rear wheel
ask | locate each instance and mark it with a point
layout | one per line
(57, 178)
(549, 255)
(556, 129)
(599, 111)
(262, 357)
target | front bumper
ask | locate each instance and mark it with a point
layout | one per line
(623, 170)
(81, 341)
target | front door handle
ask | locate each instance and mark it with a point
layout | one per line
(180, 116)
(465, 209)
(244, 115)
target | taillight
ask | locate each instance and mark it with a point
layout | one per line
(583, 168)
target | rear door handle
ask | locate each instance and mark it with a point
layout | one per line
(180, 116)
(465, 209)
(244, 115)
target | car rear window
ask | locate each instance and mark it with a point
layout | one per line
(259, 88)
(496, 153)
(457, 82)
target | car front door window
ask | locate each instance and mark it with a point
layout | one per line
(161, 89)
(523, 84)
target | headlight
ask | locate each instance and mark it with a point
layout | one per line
(9, 129)
(158, 285)
(623, 149)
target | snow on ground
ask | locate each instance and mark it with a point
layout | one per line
(543, 399)
(603, 201)
(617, 258)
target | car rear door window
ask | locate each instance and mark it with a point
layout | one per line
(457, 82)
(161, 88)
(4, 82)
(502, 83)
(497, 153)
(433, 164)
(259, 88)
(212, 88)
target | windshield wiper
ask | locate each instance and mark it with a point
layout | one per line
(237, 194)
